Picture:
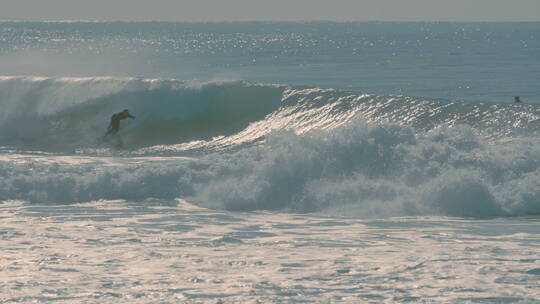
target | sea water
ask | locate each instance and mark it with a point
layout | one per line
(270, 162)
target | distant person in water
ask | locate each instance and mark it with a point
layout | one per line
(517, 100)
(114, 126)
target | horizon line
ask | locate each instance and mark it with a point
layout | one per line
(22, 20)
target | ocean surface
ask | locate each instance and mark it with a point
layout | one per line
(311, 162)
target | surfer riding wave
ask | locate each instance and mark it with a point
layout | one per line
(114, 125)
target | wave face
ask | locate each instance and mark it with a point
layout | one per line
(69, 113)
(269, 147)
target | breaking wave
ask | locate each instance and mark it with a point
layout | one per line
(269, 147)
(59, 114)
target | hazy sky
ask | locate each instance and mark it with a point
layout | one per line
(237, 10)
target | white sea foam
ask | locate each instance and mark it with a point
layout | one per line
(363, 169)
(171, 251)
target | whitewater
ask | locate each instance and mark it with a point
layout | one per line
(270, 163)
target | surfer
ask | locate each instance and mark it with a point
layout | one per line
(517, 100)
(114, 126)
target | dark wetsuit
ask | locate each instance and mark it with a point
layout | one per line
(114, 126)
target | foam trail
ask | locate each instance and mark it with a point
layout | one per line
(363, 169)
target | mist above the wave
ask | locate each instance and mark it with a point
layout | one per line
(114, 61)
